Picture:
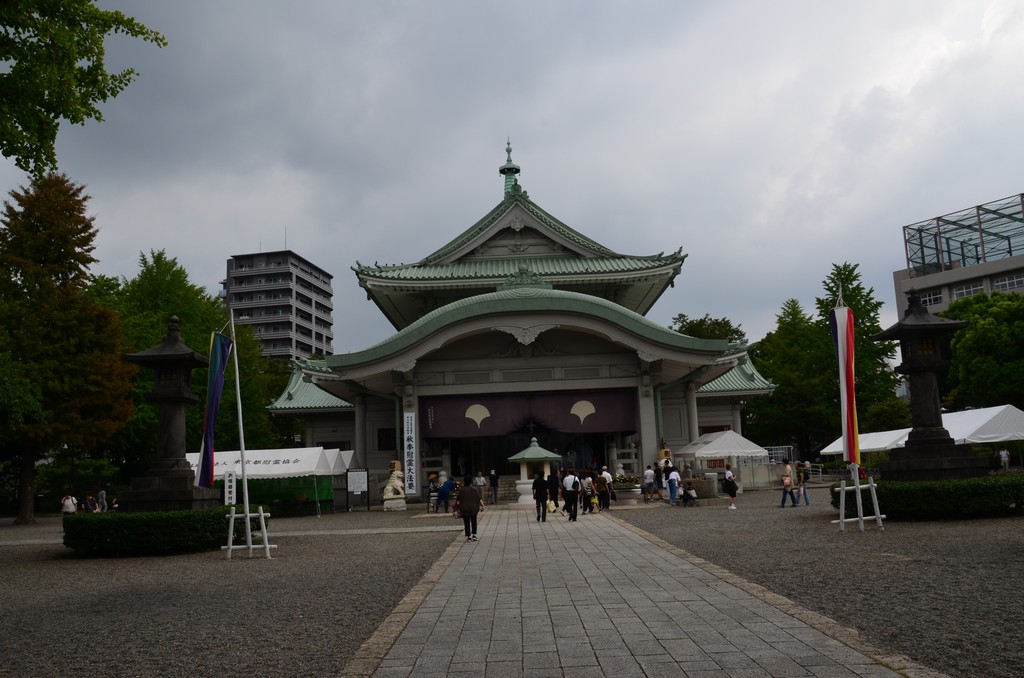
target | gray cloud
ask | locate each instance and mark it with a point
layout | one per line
(769, 141)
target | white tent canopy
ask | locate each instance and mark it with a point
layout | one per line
(340, 460)
(283, 463)
(871, 442)
(722, 444)
(987, 425)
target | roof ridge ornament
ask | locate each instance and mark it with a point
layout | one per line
(509, 170)
(524, 277)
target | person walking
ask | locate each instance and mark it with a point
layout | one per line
(471, 504)
(603, 486)
(570, 493)
(787, 484)
(493, 478)
(540, 496)
(730, 486)
(553, 485)
(480, 483)
(1004, 459)
(803, 475)
(589, 492)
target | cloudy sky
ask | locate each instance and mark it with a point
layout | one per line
(768, 140)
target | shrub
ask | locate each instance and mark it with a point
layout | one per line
(625, 482)
(115, 534)
(986, 497)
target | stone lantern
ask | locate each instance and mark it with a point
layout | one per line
(169, 483)
(929, 453)
(533, 457)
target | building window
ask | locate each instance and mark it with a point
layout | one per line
(1006, 283)
(932, 298)
(386, 439)
(968, 290)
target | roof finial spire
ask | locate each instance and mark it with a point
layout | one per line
(509, 170)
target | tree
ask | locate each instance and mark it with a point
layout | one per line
(162, 289)
(799, 358)
(62, 338)
(875, 379)
(987, 364)
(53, 52)
(708, 328)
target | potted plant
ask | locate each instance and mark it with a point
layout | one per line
(626, 488)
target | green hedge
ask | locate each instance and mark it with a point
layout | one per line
(115, 534)
(986, 497)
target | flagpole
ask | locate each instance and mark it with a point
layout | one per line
(241, 439)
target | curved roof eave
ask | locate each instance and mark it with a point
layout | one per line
(490, 307)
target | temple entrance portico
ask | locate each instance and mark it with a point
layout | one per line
(520, 327)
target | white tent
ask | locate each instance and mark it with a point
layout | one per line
(340, 460)
(871, 442)
(987, 425)
(722, 444)
(283, 463)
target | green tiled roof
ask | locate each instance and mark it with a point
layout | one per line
(528, 299)
(582, 268)
(302, 396)
(744, 378)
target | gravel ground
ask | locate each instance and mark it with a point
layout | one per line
(304, 612)
(946, 594)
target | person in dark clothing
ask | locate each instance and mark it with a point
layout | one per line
(553, 488)
(471, 504)
(540, 496)
(571, 493)
(444, 494)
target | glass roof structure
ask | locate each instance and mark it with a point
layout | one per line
(971, 236)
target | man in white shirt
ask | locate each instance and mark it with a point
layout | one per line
(673, 486)
(648, 484)
(68, 505)
(571, 493)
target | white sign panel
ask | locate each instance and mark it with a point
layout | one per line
(229, 488)
(357, 480)
(410, 454)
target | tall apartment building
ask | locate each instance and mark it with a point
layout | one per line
(287, 300)
(957, 255)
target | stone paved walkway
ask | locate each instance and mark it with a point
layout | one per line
(599, 598)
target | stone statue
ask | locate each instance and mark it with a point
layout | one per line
(395, 486)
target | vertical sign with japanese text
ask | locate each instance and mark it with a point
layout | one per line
(409, 453)
(229, 488)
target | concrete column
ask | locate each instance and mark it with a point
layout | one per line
(360, 430)
(648, 426)
(691, 412)
(737, 417)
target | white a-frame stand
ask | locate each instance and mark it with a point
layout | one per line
(246, 514)
(843, 489)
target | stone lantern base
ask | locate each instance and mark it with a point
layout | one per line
(933, 462)
(169, 486)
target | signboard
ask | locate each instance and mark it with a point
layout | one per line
(229, 488)
(410, 454)
(358, 480)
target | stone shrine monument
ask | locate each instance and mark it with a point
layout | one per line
(929, 453)
(169, 484)
(394, 489)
